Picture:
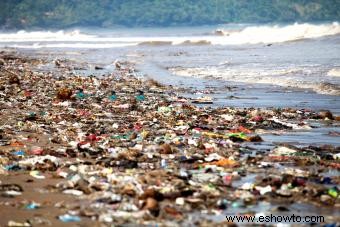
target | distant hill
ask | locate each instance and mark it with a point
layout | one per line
(21, 14)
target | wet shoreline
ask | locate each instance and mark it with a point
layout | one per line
(244, 95)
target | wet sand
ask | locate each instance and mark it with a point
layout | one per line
(241, 95)
(226, 93)
(42, 192)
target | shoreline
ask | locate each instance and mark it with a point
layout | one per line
(224, 92)
(156, 159)
(245, 95)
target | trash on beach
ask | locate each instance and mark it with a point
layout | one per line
(69, 218)
(121, 149)
(203, 100)
(18, 224)
(32, 206)
(37, 174)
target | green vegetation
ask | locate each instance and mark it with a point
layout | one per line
(106, 13)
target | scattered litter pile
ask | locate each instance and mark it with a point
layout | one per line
(118, 149)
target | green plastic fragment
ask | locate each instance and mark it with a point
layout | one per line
(240, 135)
(333, 192)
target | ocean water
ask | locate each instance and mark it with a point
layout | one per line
(296, 58)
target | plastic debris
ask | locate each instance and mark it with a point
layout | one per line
(19, 153)
(32, 206)
(113, 96)
(73, 192)
(140, 97)
(264, 190)
(333, 192)
(69, 218)
(37, 174)
(18, 224)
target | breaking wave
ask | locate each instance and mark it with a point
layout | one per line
(277, 34)
(70, 45)
(296, 77)
(246, 35)
(45, 36)
(334, 72)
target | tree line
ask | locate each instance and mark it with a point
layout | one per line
(146, 13)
